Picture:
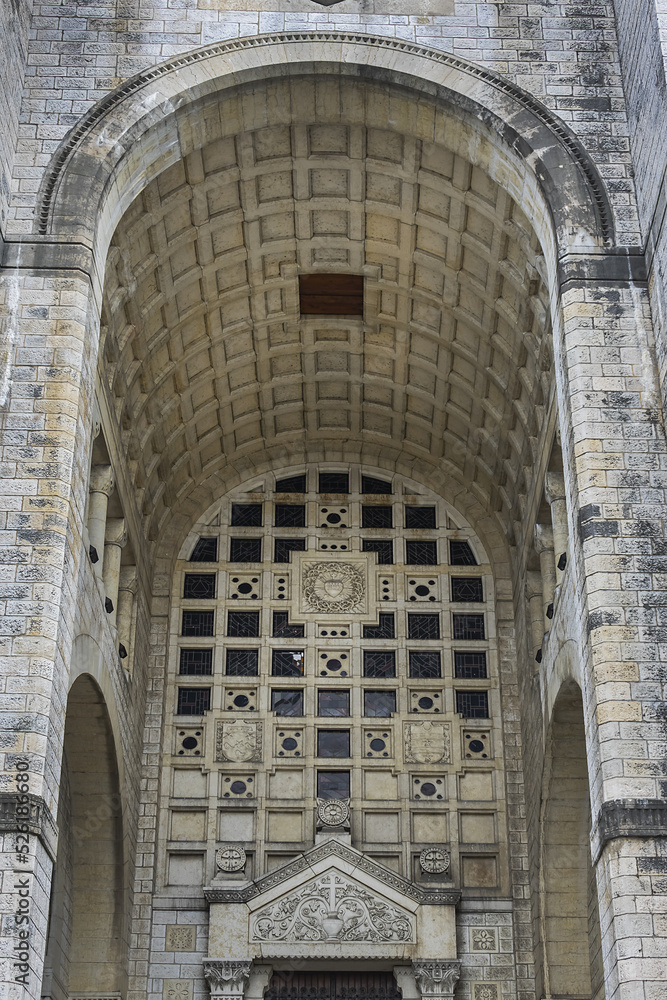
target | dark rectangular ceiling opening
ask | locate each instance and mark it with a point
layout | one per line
(331, 294)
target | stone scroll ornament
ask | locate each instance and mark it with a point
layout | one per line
(332, 908)
(334, 587)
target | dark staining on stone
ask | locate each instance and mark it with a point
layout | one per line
(598, 619)
(598, 529)
(589, 511)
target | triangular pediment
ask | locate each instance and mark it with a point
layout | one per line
(334, 906)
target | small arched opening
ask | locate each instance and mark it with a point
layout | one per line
(85, 935)
(572, 959)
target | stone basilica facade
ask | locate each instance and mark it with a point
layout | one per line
(333, 576)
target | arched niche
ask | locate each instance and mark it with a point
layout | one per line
(85, 946)
(571, 959)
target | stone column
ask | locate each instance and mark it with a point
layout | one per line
(115, 539)
(554, 491)
(127, 589)
(100, 488)
(544, 546)
(535, 597)
(227, 979)
(436, 979)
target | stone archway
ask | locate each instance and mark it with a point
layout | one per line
(570, 913)
(85, 945)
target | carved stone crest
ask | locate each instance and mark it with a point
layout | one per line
(332, 908)
(333, 812)
(238, 741)
(334, 586)
(427, 742)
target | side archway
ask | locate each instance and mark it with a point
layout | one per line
(85, 945)
(571, 961)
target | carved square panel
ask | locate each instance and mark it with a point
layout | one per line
(244, 586)
(377, 743)
(189, 741)
(238, 785)
(334, 663)
(428, 787)
(426, 701)
(427, 742)
(240, 699)
(288, 742)
(332, 586)
(477, 744)
(422, 589)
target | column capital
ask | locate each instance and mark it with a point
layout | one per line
(436, 978)
(544, 538)
(227, 978)
(101, 480)
(554, 487)
(115, 533)
(533, 584)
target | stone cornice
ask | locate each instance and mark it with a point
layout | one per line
(37, 819)
(629, 818)
(248, 890)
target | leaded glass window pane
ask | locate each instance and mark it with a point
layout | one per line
(379, 704)
(246, 515)
(290, 515)
(423, 626)
(292, 484)
(369, 484)
(420, 517)
(193, 701)
(472, 704)
(467, 588)
(425, 663)
(460, 554)
(206, 550)
(243, 624)
(287, 662)
(247, 550)
(468, 626)
(197, 623)
(284, 546)
(384, 549)
(470, 664)
(242, 663)
(199, 585)
(196, 662)
(379, 663)
(334, 482)
(283, 627)
(332, 702)
(385, 629)
(373, 516)
(333, 784)
(333, 743)
(420, 553)
(284, 702)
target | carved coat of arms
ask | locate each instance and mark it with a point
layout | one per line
(427, 742)
(334, 587)
(238, 741)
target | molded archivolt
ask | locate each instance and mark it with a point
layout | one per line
(126, 136)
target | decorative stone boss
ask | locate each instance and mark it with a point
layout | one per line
(331, 903)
